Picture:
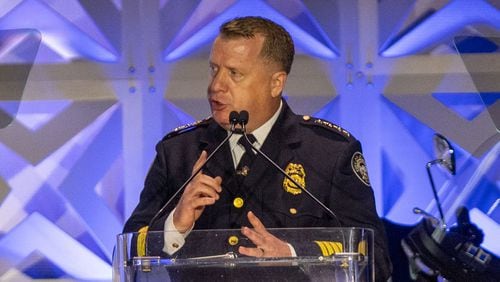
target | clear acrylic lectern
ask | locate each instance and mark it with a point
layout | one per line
(323, 254)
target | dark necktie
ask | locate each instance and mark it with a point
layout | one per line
(246, 160)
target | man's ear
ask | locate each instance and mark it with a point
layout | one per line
(278, 83)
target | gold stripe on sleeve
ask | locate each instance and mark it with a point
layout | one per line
(141, 241)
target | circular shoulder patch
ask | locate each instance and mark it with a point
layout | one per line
(359, 167)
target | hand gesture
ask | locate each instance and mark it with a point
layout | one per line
(267, 244)
(202, 191)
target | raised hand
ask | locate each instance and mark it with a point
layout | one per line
(202, 191)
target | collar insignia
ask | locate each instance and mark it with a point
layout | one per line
(297, 173)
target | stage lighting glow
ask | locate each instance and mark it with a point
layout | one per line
(319, 47)
(442, 24)
(70, 41)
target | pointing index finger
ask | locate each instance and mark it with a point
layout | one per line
(200, 161)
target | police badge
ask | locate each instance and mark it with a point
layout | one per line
(359, 167)
(297, 173)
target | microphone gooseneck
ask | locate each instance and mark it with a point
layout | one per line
(234, 118)
(244, 117)
(243, 121)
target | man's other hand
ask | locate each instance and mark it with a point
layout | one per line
(267, 244)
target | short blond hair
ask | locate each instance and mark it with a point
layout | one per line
(278, 45)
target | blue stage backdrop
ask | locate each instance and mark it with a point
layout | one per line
(109, 78)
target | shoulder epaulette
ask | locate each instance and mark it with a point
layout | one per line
(187, 127)
(308, 120)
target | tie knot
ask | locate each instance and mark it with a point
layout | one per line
(243, 141)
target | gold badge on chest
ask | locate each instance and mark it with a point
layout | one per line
(297, 173)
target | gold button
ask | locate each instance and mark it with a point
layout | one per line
(306, 118)
(293, 210)
(175, 245)
(233, 240)
(238, 202)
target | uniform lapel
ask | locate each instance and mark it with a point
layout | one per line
(278, 146)
(221, 164)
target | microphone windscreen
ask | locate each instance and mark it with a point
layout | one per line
(234, 117)
(244, 117)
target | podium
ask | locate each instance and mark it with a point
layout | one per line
(323, 254)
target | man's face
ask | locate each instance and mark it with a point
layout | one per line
(240, 79)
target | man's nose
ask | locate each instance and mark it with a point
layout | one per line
(218, 82)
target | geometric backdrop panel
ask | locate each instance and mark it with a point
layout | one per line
(53, 176)
(112, 77)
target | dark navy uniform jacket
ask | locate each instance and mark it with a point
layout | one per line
(326, 158)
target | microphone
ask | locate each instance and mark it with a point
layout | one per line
(243, 120)
(234, 119)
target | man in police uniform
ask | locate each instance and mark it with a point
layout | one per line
(249, 65)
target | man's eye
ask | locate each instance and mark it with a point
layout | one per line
(235, 74)
(213, 70)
